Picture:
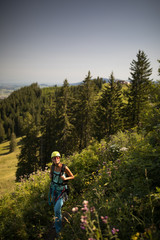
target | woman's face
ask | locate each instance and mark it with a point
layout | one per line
(56, 160)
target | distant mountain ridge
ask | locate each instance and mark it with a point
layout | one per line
(7, 88)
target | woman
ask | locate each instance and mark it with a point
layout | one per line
(59, 173)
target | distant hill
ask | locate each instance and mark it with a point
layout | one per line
(7, 88)
(4, 93)
(117, 80)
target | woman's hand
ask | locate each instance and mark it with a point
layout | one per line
(69, 175)
(63, 177)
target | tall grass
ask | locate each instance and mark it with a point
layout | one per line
(8, 163)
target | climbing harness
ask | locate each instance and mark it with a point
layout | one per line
(52, 198)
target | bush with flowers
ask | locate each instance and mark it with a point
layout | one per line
(115, 194)
(121, 187)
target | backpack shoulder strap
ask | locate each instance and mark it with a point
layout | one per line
(52, 169)
(63, 169)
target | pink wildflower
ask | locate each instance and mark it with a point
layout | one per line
(104, 219)
(75, 209)
(85, 202)
(114, 230)
(85, 209)
(82, 226)
(84, 219)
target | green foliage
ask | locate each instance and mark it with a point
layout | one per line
(139, 89)
(158, 68)
(94, 226)
(14, 108)
(13, 142)
(28, 160)
(109, 110)
(8, 166)
(123, 189)
(119, 179)
(86, 108)
(2, 133)
(119, 175)
(68, 117)
(25, 214)
(66, 136)
(48, 130)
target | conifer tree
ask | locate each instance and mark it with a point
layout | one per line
(158, 68)
(109, 110)
(26, 99)
(13, 142)
(48, 130)
(86, 112)
(140, 84)
(28, 160)
(152, 116)
(2, 133)
(66, 138)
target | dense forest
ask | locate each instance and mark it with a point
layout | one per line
(108, 133)
(67, 118)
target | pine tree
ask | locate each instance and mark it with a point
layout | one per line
(28, 160)
(152, 112)
(13, 143)
(139, 88)
(2, 133)
(109, 110)
(65, 121)
(158, 68)
(49, 129)
(86, 112)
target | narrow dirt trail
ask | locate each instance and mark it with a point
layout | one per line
(51, 235)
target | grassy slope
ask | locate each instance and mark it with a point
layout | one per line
(8, 162)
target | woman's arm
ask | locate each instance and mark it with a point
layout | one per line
(69, 173)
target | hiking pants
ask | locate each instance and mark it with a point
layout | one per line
(57, 212)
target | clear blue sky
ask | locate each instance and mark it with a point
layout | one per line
(48, 41)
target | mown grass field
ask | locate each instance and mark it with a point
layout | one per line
(8, 163)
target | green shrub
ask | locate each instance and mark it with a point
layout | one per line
(122, 186)
(25, 214)
(119, 179)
